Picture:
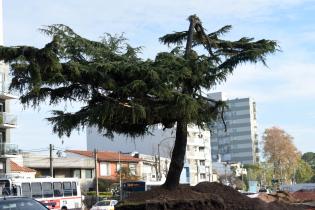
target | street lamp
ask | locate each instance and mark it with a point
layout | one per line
(159, 144)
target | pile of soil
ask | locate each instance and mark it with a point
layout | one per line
(304, 195)
(281, 196)
(204, 196)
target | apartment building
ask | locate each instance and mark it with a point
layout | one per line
(160, 143)
(198, 153)
(239, 141)
(7, 120)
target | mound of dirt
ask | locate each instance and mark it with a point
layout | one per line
(279, 196)
(204, 196)
(304, 196)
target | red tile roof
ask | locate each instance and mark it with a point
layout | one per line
(17, 168)
(106, 156)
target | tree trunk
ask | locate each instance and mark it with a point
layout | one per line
(190, 36)
(178, 156)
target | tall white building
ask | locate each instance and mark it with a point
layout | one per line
(7, 120)
(198, 155)
(239, 142)
(160, 143)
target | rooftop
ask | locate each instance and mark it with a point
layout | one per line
(106, 155)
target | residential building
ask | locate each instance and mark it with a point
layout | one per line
(198, 155)
(160, 143)
(154, 169)
(7, 120)
(63, 167)
(237, 140)
(109, 163)
(81, 164)
(19, 171)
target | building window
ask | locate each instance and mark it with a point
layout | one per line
(132, 168)
(2, 136)
(88, 173)
(201, 149)
(2, 106)
(77, 173)
(202, 176)
(118, 166)
(202, 162)
(105, 169)
(187, 171)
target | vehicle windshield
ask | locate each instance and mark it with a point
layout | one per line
(21, 204)
(103, 203)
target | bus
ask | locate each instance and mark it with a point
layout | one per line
(52, 192)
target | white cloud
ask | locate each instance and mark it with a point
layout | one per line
(291, 80)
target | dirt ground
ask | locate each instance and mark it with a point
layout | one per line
(304, 195)
(204, 196)
(285, 197)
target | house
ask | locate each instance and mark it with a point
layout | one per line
(21, 171)
(63, 167)
(81, 164)
(109, 163)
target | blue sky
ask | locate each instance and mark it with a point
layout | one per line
(284, 92)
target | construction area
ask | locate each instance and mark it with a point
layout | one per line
(215, 196)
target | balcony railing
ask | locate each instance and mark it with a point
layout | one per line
(4, 92)
(8, 120)
(9, 149)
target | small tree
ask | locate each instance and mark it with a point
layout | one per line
(303, 173)
(125, 94)
(126, 174)
(309, 157)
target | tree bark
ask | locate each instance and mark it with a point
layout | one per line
(190, 36)
(178, 156)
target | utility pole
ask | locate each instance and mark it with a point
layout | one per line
(95, 171)
(51, 160)
(120, 181)
(156, 168)
(159, 173)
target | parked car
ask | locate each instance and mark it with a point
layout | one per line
(20, 203)
(104, 205)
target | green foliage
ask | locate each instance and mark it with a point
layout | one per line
(126, 174)
(101, 194)
(262, 172)
(121, 92)
(124, 94)
(105, 185)
(312, 179)
(309, 157)
(304, 172)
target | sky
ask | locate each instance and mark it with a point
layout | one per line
(284, 91)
